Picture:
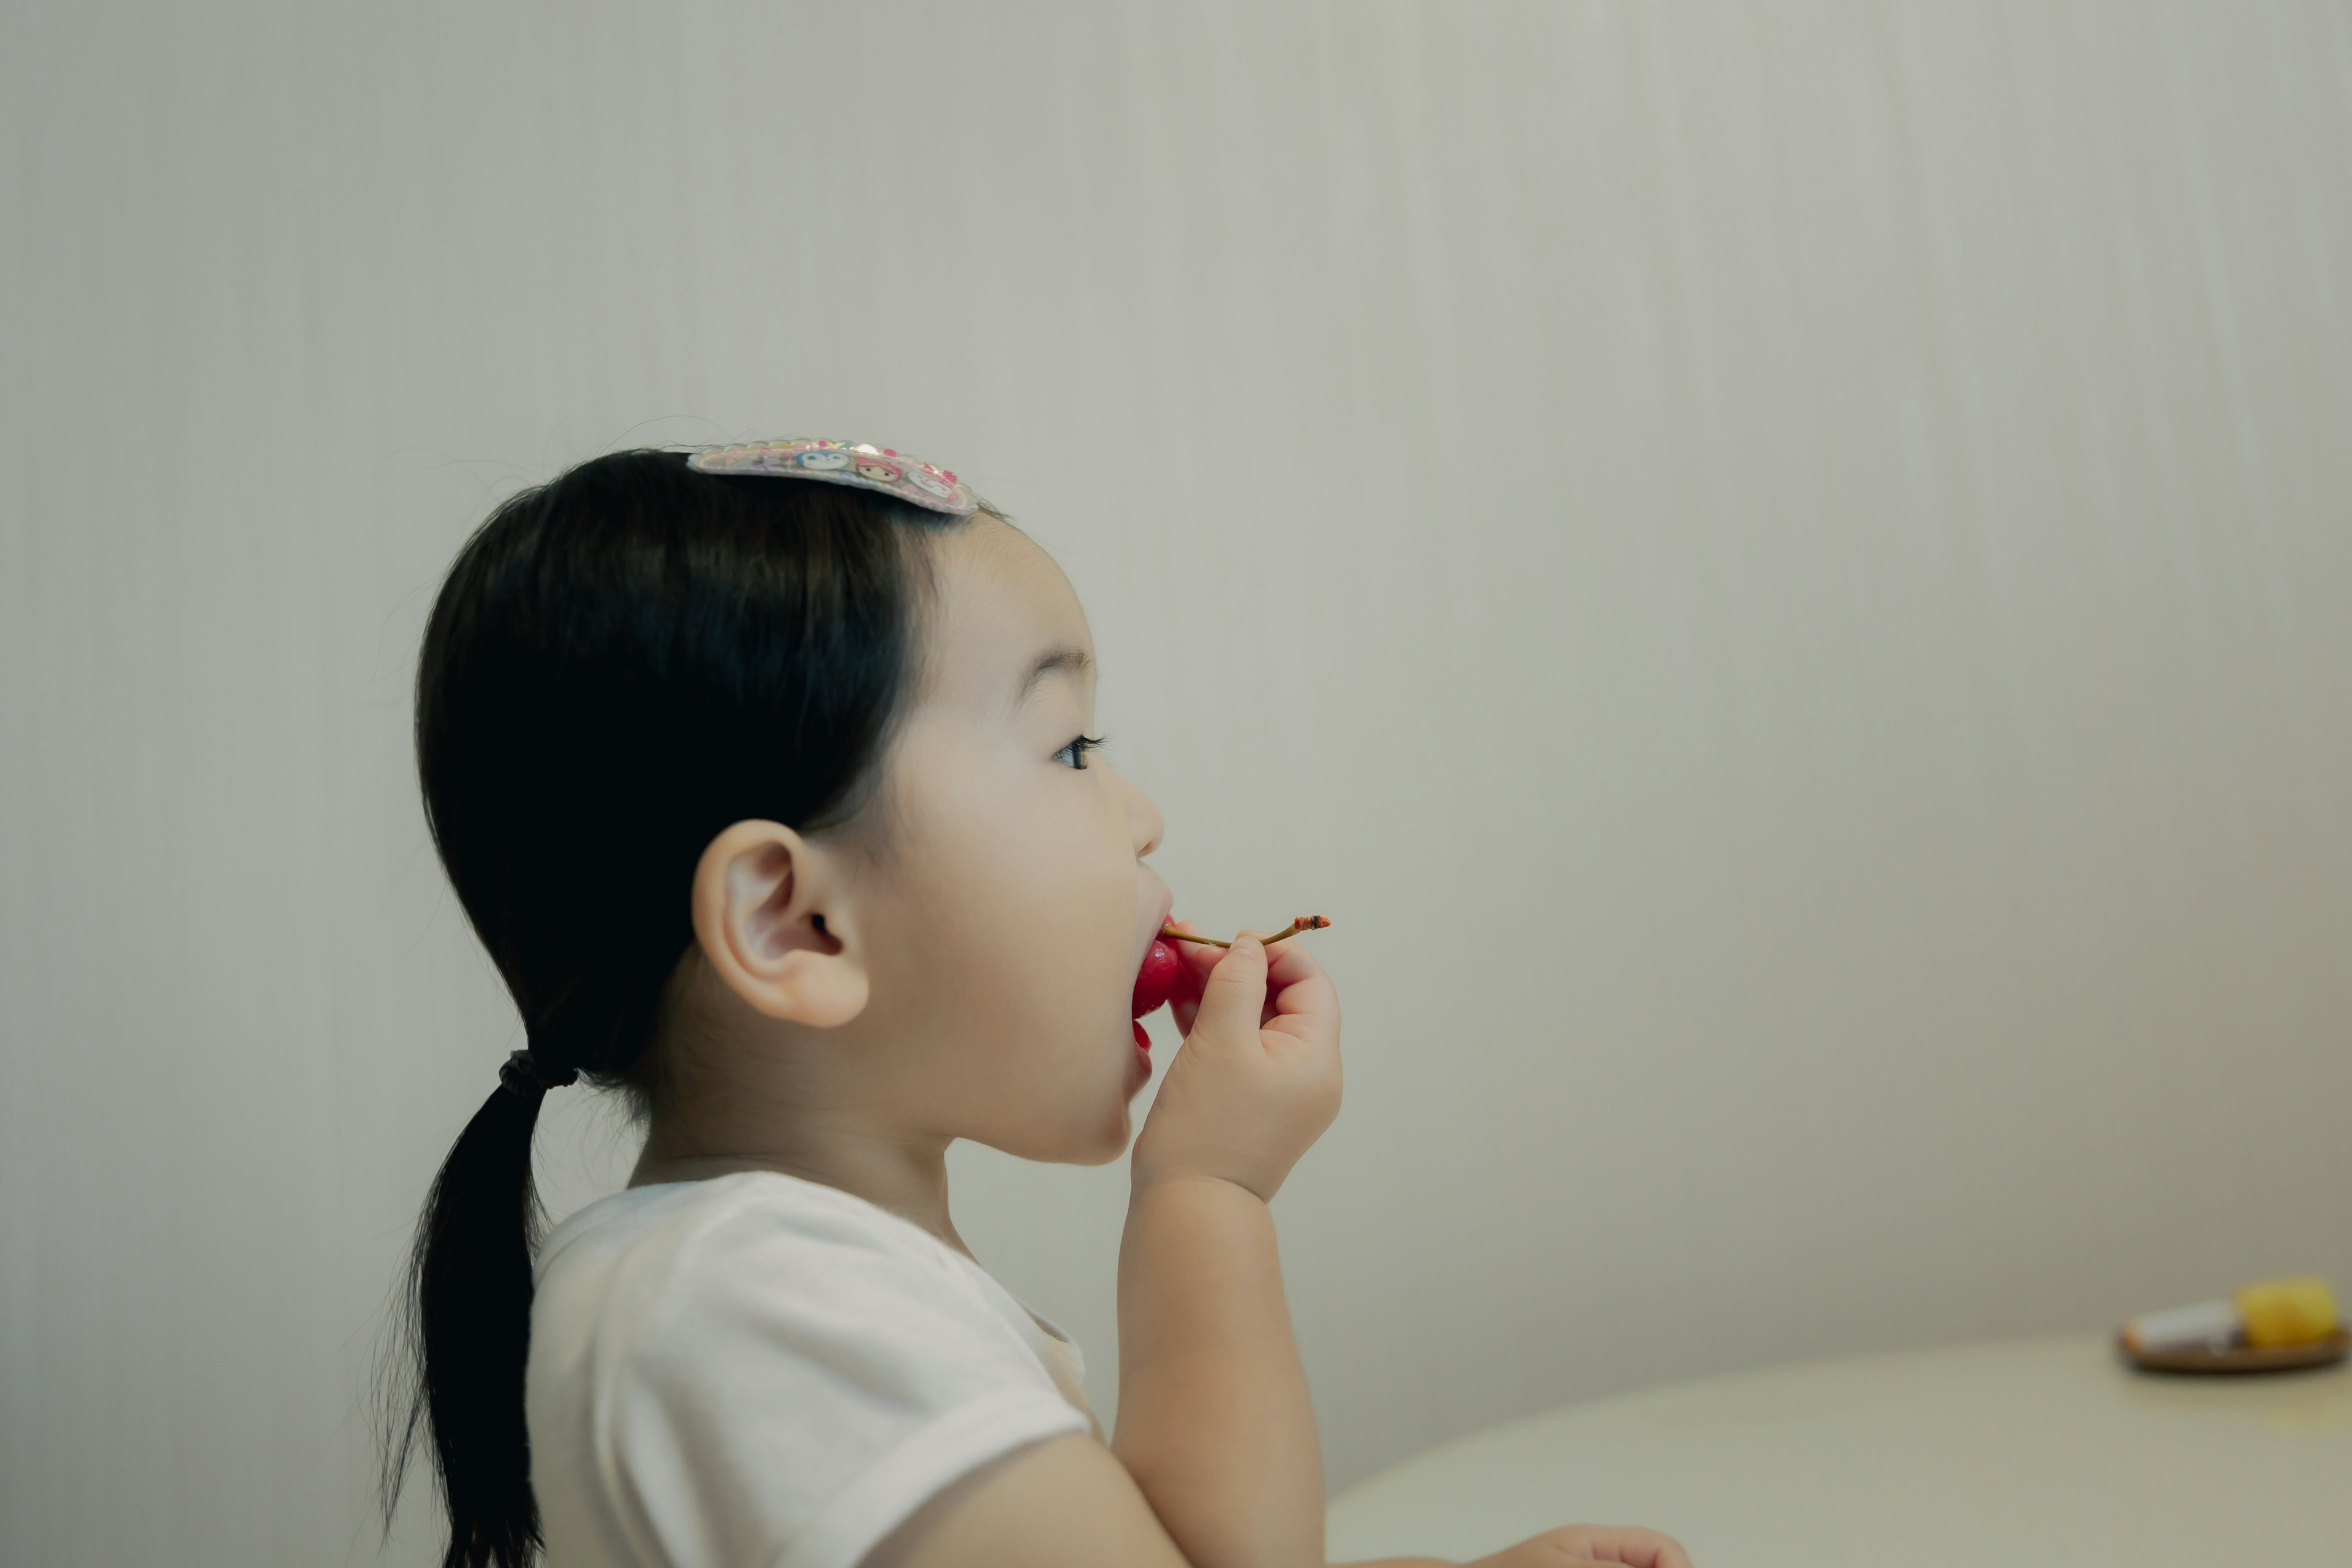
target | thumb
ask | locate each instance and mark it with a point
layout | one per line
(1233, 1000)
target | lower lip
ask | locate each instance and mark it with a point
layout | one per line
(1143, 1062)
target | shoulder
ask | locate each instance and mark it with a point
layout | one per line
(721, 1369)
(774, 1297)
(759, 1243)
(748, 1204)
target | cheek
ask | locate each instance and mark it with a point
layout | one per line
(1023, 913)
(1012, 1005)
(1052, 955)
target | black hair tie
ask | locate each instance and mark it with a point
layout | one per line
(526, 1075)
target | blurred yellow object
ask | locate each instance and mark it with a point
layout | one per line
(2279, 1312)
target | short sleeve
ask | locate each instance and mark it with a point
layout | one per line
(799, 1382)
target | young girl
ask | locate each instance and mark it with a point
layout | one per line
(764, 775)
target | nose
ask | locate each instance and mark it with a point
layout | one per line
(1143, 821)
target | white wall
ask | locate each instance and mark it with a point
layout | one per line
(1781, 570)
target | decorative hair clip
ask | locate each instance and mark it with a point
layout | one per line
(844, 463)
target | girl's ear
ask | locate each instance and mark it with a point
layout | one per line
(768, 917)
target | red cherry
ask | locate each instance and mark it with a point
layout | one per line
(1158, 980)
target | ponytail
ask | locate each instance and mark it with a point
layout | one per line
(470, 1280)
(621, 663)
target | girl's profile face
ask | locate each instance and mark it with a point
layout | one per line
(1008, 904)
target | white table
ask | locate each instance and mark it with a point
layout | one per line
(2015, 1452)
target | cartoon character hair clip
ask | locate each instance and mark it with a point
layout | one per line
(859, 463)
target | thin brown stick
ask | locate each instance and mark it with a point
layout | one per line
(1304, 922)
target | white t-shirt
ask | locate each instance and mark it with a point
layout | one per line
(760, 1371)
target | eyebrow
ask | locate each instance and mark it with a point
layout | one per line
(1069, 661)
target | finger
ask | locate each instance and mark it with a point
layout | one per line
(1194, 959)
(1274, 969)
(1306, 1008)
(1200, 957)
(1235, 997)
(1634, 1548)
(1289, 954)
(1289, 965)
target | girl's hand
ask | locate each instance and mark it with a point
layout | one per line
(1257, 1079)
(1582, 1543)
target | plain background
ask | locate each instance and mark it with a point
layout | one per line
(1781, 570)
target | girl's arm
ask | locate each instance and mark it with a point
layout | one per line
(1214, 1423)
(1215, 1463)
(1066, 1503)
(1215, 1460)
(1214, 1419)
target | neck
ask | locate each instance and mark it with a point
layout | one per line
(907, 1176)
(803, 1112)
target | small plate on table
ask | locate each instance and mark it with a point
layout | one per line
(2228, 1359)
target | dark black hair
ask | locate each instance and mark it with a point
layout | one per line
(621, 663)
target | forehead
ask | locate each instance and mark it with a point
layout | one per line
(998, 604)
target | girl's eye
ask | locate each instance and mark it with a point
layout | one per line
(1075, 753)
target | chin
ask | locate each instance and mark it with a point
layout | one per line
(1107, 1145)
(1096, 1142)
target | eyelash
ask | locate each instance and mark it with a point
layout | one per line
(1076, 750)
